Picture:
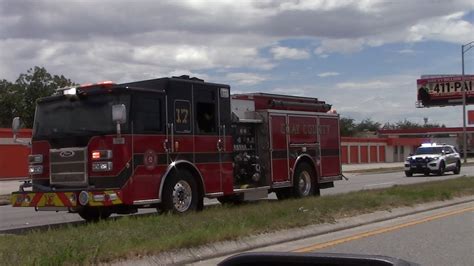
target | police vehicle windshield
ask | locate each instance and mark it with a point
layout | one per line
(429, 150)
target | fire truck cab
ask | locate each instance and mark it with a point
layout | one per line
(168, 143)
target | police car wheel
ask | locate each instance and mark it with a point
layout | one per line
(408, 173)
(457, 170)
(441, 168)
(180, 193)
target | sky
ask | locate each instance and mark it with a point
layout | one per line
(361, 56)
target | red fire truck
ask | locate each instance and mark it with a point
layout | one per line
(168, 143)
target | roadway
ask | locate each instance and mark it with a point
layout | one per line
(438, 237)
(18, 218)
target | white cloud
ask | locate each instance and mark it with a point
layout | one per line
(280, 53)
(328, 74)
(406, 51)
(449, 28)
(245, 78)
(365, 85)
(343, 46)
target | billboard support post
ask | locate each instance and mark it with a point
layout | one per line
(464, 49)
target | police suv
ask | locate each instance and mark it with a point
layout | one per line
(433, 158)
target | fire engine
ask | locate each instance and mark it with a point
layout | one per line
(168, 143)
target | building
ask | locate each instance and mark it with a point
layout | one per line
(13, 156)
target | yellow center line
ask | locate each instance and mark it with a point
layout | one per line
(380, 231)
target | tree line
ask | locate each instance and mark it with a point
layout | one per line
(350, 128)
(19, 98)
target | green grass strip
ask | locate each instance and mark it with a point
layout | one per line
(135, 236)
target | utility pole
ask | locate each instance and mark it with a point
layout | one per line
(464, 49)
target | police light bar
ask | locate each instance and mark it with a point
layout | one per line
(66, 91)
(71, 91)
(102, 84)
(84, 87)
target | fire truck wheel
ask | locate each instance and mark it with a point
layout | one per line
(94, 214)
(180, 193)
(303, 185)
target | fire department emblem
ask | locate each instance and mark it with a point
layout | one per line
(150, 159)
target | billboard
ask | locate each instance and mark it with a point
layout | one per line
(444, 90)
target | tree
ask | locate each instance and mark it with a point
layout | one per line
(406, 124)
(348, 127)
(9, 99)
(368, 125)
(20, 97)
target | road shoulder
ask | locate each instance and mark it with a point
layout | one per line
(258, 241)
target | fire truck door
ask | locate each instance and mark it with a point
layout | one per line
(279, 148)
(179, 137)
(207, 137)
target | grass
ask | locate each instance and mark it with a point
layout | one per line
(382, 170)
(136, 236)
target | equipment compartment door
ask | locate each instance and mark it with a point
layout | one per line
(330, 148)
(279, 148)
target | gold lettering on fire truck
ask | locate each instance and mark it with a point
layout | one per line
(299, 129)
(309, 129)
(324, 130)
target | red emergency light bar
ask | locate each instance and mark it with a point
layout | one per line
(102, 84)
(82, 89)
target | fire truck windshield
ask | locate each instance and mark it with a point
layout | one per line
(86, 116)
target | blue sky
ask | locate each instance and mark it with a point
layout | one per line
(362, 56)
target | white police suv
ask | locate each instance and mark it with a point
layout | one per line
(433, 158)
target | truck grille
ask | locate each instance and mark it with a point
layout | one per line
(68, 166)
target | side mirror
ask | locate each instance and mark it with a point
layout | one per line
(119, 116)
(411, 154)
(119, 113)
(16, 125)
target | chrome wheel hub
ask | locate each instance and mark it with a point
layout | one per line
(182, 196)
(304, 183)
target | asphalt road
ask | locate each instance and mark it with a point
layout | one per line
(17, 218)
(438, 237)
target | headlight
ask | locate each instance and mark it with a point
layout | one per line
(102, 166)
(101, 155)
(35, 169)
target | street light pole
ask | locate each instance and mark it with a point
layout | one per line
(464, 131)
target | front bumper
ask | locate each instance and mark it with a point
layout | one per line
(422, 167)
(69, 199)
